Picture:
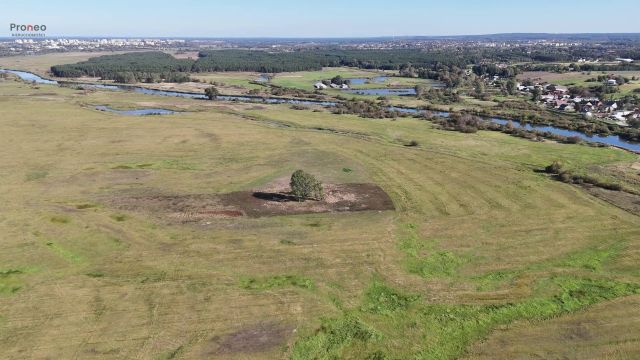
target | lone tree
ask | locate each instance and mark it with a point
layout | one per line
(211, 92)
(306, 186)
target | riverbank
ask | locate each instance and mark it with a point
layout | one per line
(611, 140)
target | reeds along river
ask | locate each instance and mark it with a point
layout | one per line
(613, 140)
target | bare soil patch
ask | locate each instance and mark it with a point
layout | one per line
(272, 200)
(259, 337)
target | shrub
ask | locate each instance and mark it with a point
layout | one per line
(573, 140)
(566, 176)
(554, 168)
(306, 186)
(211, 93)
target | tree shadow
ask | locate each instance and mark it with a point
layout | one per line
(277, 197)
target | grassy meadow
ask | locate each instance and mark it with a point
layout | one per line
(481, 251)
(41, 64)
(306, 79)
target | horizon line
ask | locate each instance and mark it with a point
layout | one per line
(320, 37)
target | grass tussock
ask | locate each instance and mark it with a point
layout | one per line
(276, 281)
(60, 219)
(119, 217)
(384, 300)
(332, 336)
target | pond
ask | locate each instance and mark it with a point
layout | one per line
(137, 112)
(614, 140)
(362, 81)
(263, 78)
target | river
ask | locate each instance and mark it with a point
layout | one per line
(613, 140)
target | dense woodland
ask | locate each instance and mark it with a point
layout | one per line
(441, 64)
(148, 65)
(131, 67)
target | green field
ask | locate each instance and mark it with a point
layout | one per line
(481, 249)
(305, 79)
(239, 79)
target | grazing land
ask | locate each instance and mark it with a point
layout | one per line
(152, 237)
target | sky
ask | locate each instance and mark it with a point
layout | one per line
(325, 18)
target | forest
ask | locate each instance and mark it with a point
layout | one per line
(155, 66)
(441, 64)
(152, 66)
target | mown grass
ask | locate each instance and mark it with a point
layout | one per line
(9, 284)
(491, 240)
(423, 257)
(64, 252)
(36, 175)
(592, 259)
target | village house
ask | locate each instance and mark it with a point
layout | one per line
(319, 85)
(610, 106)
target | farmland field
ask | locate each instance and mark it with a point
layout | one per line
(101, 258)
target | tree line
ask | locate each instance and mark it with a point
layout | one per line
(157, 66)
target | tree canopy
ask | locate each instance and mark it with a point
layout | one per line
(306, 186)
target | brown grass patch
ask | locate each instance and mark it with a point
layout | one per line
(258, 337)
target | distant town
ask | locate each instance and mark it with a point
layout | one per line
(16, 46)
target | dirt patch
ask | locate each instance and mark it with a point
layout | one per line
(258, 337)
(342, 197)
(271, 200)
(624, 200)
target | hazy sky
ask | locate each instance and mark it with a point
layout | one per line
(325, 18)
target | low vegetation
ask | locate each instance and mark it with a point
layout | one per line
(556, 168)
(277, 281)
